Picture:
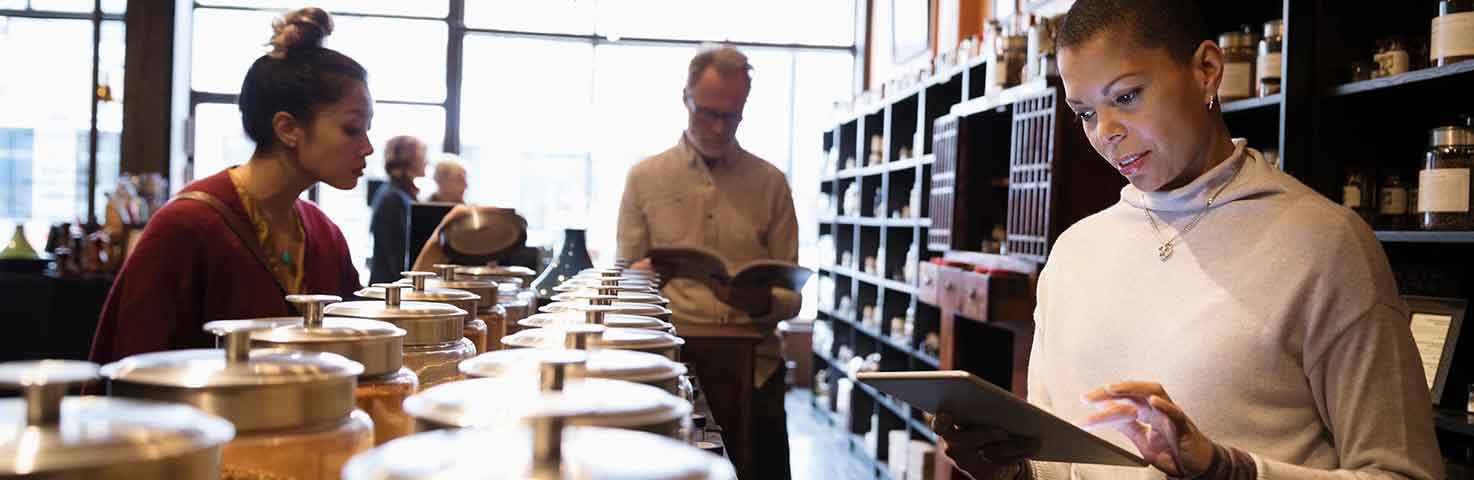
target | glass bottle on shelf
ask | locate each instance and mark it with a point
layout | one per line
(1392, 202)
(1270, 59)
(1239, 55)
(1452, 38)
(1393, 56)
(1356, 194)
(1444, 188)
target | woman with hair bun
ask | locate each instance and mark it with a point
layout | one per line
(231, 245)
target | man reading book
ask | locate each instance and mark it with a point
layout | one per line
(708, 192)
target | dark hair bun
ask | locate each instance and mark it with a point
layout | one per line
(304, 28)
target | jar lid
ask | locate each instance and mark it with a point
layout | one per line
(1274, 28)
(1451, 136)
(604, 289)
(622, 297)
(425, 323)
(378, 346)
(627, 365)
(1238, 39)
(302, 388)
(511, 271)
(625, 308)
(46, 433)
(616, 338)
(615, 320)
(421, 292)
(506, 402)
(522, 452)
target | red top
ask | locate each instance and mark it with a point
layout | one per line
(190, 268)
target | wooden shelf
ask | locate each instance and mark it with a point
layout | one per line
(1253, 103)
(1418, 236)
(1410, 78)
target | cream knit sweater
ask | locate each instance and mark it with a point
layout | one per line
(1275, 324)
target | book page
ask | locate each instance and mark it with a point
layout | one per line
(1430, 332)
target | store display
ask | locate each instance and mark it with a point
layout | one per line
(1239, 56)
(434, 341)
(1268, 70)
(49, 435)
(1444, 184)
(311, 428)
(1452, 38)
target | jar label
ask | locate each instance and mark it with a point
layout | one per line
(1394, 201)
(1269, 66)
(1395, 62)
(1351, 196)
(1238, 80)
(1453, 36)
(1443, 190)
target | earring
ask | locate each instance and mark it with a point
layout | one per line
(1212, 102)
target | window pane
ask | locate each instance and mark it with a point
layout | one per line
(552, 16)
(813, 22)
(405, 58)
(45, 121)
(417, 8)
(767, 118)
(820, 79)
(219, 140)
(109, 115)
(518, 137)
(13, 5)
(62, 5)
(678, 19)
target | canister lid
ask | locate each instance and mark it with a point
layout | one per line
(378, 346)
(421, 292)
(506, 402)
(609, 320)
(46, 434)
(625, 308)
(519, 453)
(425, 323)
(1451, 136)
(627, 365)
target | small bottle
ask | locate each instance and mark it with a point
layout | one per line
(1355, 194)
(1392, 202)
(1240, 51)
(1270, 60)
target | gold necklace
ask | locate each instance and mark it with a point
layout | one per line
(1165, 250)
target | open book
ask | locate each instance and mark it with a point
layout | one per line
(710, 268)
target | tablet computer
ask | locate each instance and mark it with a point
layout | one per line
(972, 401)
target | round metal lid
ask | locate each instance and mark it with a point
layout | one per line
(627, 365)
(1238, 39)
(421, 292)
(497, 271)
(1451, 136)
(609, 320)
(87, 433)
(603, 289)
(582, 452)
(625, 308)
(506, 402)
(425, 323)
(378, 346)
(622, 297)
(619, 338)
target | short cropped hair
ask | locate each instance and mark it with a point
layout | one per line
(1175, 25)
(726, 59)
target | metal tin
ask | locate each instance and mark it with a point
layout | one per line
(645, 309)
(584, 296)
(542, 450)
(48, 435)
(506, 402)
(650, 341)
(1451, 136)
(627, 365)
(378, 346)
(423, 293)
(302, 388)
(425, 323)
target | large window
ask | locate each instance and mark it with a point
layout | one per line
(47, 121)
(558, 98)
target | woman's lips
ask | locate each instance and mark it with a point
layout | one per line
(1130, 165)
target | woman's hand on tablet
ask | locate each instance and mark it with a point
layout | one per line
(984, 453)
(1144, 413)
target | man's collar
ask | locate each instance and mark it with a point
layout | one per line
(697, 158)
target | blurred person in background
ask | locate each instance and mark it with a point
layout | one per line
(404, 161)
(450, 180)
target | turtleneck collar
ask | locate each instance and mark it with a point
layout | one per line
(1245, 173)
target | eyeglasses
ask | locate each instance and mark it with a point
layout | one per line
(711, 115)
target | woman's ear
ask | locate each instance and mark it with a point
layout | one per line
(1207, 66)
(287, 129)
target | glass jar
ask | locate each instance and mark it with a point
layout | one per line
(308, 453)
(45, 434)
(630, 366)
(382, 397)
(294, 411)
(378, 346)
(1239, 55)
(1443, 184)
(1392, 57)
(1356, 194)
(613, 320)
(1392, 202)
(1268, 70)
(436, 363)
(426, 291)
(1452, 39)
(434, 340)
(572, 336)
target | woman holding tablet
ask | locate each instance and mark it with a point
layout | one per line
(1227, 320)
